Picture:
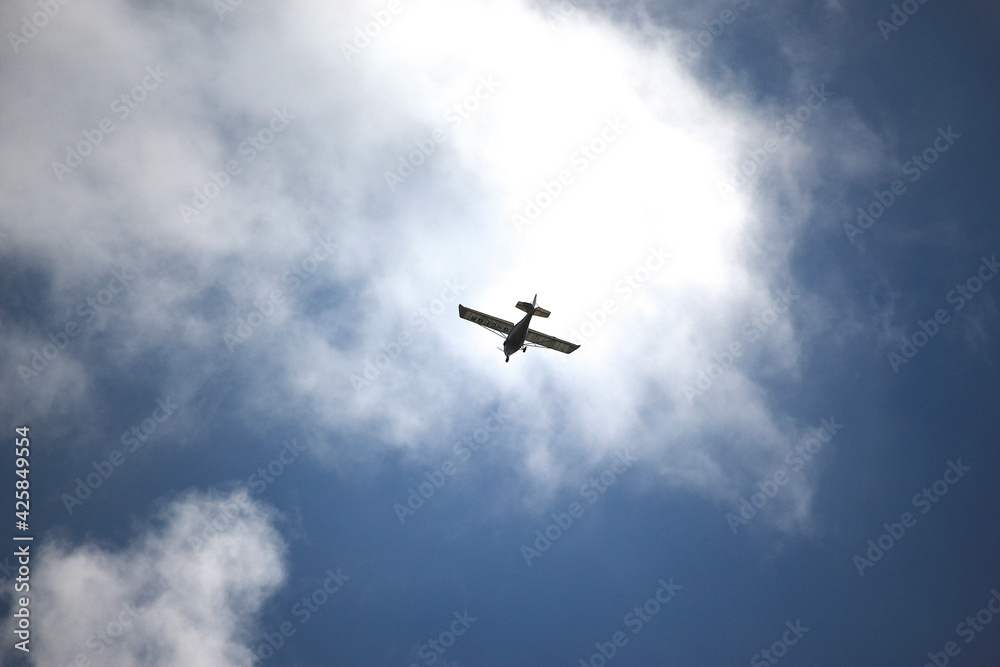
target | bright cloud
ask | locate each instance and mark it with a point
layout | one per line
(185, 591)
(468, 151)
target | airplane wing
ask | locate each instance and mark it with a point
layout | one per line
(502, 327)
(551, 342)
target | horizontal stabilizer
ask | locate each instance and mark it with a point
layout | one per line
(527, 307)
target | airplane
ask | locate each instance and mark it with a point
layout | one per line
(517, 335)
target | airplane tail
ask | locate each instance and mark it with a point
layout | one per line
(532, 308)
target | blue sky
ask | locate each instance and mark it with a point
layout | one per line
(234, 239)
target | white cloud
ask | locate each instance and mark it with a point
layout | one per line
(653, 186)
(181, 593)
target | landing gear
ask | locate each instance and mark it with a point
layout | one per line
(524, 349)
(507, 360)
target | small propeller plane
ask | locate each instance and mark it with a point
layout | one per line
(517, 335)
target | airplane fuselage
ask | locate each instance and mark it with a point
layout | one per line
(515, 339)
